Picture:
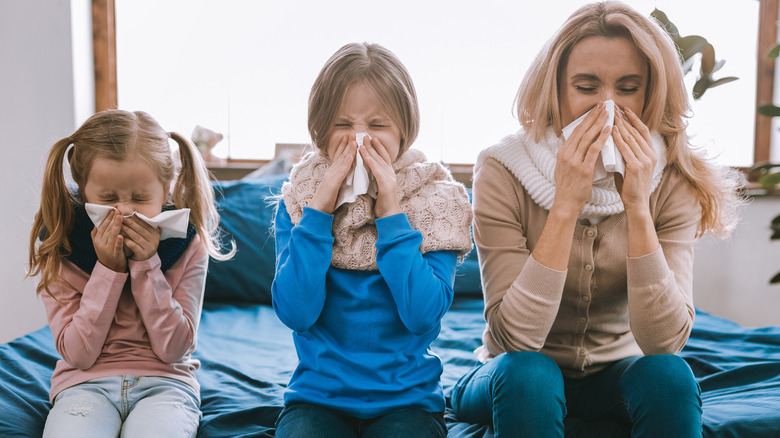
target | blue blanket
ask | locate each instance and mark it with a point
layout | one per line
(247, 357)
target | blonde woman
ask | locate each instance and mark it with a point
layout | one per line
(587, 273)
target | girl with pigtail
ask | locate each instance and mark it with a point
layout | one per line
(123, 293)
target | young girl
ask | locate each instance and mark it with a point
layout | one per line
(364, 283)
(123, 306)
(587, 283)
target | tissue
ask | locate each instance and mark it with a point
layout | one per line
(610, 160)
(359, 181)
(172, 223)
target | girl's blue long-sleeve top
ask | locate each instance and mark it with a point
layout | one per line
(362, 337)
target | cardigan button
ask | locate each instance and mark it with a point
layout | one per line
(591, 233)
(588, 267)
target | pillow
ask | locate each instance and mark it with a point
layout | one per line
(467, 278)
(246, 215)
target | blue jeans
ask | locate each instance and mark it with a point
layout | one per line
(128, 406)
(647, 396)
(311, 421)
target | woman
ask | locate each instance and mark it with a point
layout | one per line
(587, 276)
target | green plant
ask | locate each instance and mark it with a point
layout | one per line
(689, 46)
(771, 110)
(767, 176)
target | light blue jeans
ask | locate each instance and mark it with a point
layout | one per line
(524, 393)
(126, 406)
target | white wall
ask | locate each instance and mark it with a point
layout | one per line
(731, 277)
(37, 95)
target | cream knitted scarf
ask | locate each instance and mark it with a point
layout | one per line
(533, 164)
(435, 204)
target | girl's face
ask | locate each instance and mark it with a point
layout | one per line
(360, 111)
(600, 69)
(129, 185)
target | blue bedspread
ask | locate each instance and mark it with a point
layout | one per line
(247, 357)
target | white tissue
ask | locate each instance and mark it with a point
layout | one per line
(610, 159)
(359, 181)
(173, 223)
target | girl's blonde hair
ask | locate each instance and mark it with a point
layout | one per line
(381, 71)
(116, 135)
(666, 106)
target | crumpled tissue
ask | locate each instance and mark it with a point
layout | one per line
(610, 159)
(172, 223)
(359, 181)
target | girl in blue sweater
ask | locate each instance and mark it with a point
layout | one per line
(368, 233)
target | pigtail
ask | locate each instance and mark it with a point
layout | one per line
(53, 221)
(193, 190)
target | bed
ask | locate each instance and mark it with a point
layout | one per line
(247, 355)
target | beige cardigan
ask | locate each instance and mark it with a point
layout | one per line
(606, 306)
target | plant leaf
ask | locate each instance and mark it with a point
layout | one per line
(722, 81)
(691, 45)
(670, 28)
(769, 180)
(700, 87)
(769, 110)
(764, 168)
(707, 60)
(775, 279)
(774, 52)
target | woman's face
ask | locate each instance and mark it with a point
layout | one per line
(600, 69)
(360, 111)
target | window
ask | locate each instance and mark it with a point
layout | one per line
(245, 68)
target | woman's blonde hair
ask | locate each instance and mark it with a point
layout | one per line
(382, 72)
(666, 106)
(116, 135)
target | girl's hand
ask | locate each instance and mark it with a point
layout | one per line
(109, 243)
(141, 238)
(327, 193)
(632, 138)
(576, 161)
(381, 164)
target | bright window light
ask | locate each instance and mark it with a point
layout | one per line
(245, 68)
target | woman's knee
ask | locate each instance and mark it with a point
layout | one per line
(525, 372)
(663, 377)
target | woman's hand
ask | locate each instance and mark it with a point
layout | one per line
(632, 138)
(141, 238)
(381, 164)
(109, 243)
(576, 161)
(341, 162)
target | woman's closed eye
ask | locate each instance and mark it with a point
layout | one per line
(585, 89)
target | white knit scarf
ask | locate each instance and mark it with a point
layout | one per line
(533, 164)
(435, 204)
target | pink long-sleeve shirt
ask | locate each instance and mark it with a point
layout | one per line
(143, 322)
